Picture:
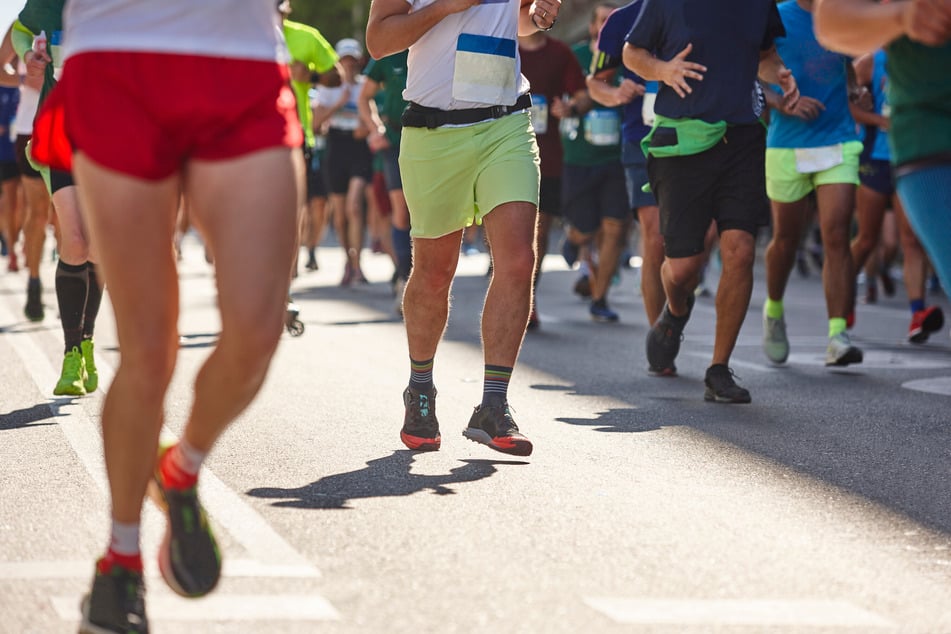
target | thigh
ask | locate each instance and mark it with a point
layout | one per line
(683, 186)
(133, 222)
(510, 230)
(740, 200)
(578, 193)
(251, 200)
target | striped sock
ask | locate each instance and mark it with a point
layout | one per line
(421, 375)
(495, 387)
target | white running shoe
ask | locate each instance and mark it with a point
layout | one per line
(775, 342)
(841, 351)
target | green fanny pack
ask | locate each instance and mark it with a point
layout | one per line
(681, 137)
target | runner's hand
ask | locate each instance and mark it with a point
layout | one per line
(928, 21)
(790, 89)
(806, 108)
(36, 62)
(299, 72)
(678, 70)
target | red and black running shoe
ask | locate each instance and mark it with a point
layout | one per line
(420, 428)
(494, 426)
(116, 603)
(924, 322)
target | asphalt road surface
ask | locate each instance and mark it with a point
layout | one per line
(823, 506)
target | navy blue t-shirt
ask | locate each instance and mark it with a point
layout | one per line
(610, 50)
(727, 38)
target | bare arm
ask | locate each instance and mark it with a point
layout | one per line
(674, 73)
(859, 26)
(392, 28)
(370, 116)
(773, 70)
(605, 93)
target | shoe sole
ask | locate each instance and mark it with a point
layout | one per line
(519, 447)
(777, 359)
(712, 397)
(86, 626)
(663, 372)
(417, 443)
(854, 355)
(165, 550)
(604, 320)
(69, 392)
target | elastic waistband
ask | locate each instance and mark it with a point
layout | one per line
(417, 116)
(935, 160)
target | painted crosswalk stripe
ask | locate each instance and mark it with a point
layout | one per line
(747, 612)
(228, 608)
(82, 569)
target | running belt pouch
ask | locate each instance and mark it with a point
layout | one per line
(681, 137)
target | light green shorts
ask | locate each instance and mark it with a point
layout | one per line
(791, 174)
(453, 177)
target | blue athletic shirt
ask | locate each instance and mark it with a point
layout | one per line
(610, 50)
(727, 38)
(880, 151)
(820, 74)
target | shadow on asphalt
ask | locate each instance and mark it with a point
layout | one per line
(869, 444)
(383, 477)
(30, 416)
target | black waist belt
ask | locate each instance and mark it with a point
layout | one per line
(417, 116)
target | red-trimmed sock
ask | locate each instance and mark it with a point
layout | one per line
(123, 549)
(180, 465)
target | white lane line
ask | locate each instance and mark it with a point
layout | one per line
(76, 569)
(734, 363)
(229, 608)
(755, 612)
(231, 512)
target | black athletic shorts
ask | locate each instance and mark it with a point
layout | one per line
(591, 193)
(26, 169)
(9, 170)
(876, 174)
(726, 183)
(345, 158)
(549, 196)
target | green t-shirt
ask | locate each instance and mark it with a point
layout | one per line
(391, 72)
(577, 150)
(919, 92)
(306, 44)
(45, 16)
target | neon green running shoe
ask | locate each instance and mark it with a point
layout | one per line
(73, 377)
(91, 381)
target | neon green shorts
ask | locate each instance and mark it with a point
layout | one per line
(454, 176)
(792, 173)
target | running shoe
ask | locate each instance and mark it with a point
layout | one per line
(671, 370)
(924, 322)
(721, 388)
(92, 374)
(775, 342)
(312, 264)
(602, 313)
(494, 426)
(583, 287)
(34, 300)
(663, 339)
(188, 558)
(72, 378)
(569, 251)
(116, 603)
(420, 427)
(841, 351)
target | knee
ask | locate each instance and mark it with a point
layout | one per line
(517, 265)
(740, 256)
(148, 367)
(836, 239)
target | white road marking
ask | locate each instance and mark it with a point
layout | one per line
(82, 569)
(935, 385)
(754, 612)
(284, 607)
(734, 362)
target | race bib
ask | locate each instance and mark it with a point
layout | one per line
(602, 127)
(484, 70)
(539, 113)
(818, 159)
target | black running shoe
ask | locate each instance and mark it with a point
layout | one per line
(663, 340)
(188, 558)
(116, 603)
(494, 426)
(721, 388)
(420, 428)
(34, 301)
